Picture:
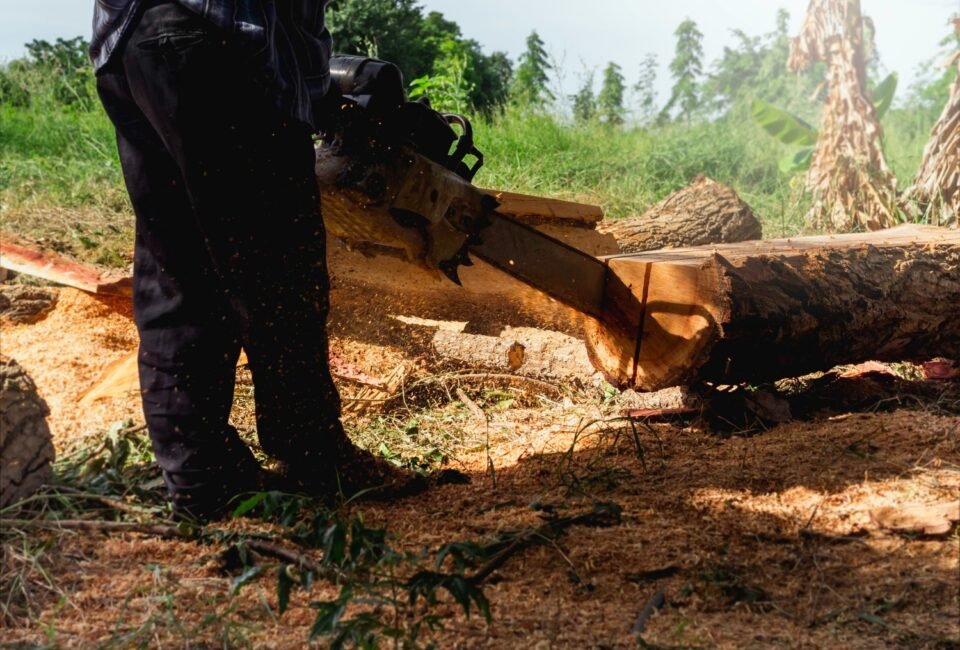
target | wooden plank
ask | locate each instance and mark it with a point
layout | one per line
(537, 209)
(21, 257)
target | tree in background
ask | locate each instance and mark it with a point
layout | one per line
(384, 29)
(851, 184)
(482, 81)
(686, 68)
(532, 75)
(584, 103)
(430, 51)
(645, 89)
(65, 66)
(610, 100)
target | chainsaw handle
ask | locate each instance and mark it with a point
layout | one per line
(464, 148)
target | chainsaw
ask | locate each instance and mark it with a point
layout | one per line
(397, 175)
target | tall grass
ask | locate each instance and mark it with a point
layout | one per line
(56, 155)
(625, 170)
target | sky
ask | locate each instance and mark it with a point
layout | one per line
(583, 36)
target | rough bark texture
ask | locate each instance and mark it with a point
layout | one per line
(26, 448)
(24, 304)
(780, 308)
(852, 186)
(523, 351)
(705, 212)
(935, 194)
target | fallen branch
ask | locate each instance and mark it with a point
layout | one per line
(166, 531)
(602, 515)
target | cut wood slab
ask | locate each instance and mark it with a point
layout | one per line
(758, 311)
(705, 212)
(29, 259)
(535, 209)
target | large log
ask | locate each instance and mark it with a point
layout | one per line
(765, 310)
(705, 212)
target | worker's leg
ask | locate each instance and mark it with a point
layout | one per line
(248, 171)
(188, 342)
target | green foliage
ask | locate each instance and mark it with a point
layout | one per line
(584, 103)
(447, 87)
(756, 68)
(483, 79)
(686, 68)
(883, 94)
(792, 130)
(784, 126)
(398, 592)
(533, 75)
(645, 89)
(430, 50)
(386, 29)
(610, 100)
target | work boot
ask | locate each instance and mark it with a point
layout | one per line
(354, 473)
(217, 500)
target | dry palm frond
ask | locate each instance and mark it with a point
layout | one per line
(935, 193)
(852, 186)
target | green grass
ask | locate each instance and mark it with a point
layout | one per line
(56, 157)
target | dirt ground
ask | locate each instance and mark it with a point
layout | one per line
(782, 538)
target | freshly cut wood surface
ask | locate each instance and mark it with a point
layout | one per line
(705, 212)
(23, 257)
(757, 311)
(538, 208)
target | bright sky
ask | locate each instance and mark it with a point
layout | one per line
(583, 35)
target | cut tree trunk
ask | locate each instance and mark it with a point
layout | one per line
(705, 212)
(779, 308)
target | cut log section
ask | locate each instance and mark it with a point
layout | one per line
(705, 212)
(779, 308)
(523, 351)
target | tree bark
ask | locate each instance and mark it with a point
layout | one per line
(528, 352)
(779, 308)
(705, 212)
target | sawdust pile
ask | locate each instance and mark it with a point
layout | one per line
(66, 351)
(779, 539)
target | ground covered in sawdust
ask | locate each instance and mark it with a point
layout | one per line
(771, 539)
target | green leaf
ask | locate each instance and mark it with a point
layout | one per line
(247, 505)
(284, 586)
(249, 574)
(883, 94)
(328, 617)
(798, 161)
(784, 126)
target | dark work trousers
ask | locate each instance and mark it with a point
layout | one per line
(229, 253)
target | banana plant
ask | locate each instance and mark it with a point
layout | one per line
(792, 130)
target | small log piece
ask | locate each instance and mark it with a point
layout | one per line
(705, 212)
(524, 351)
